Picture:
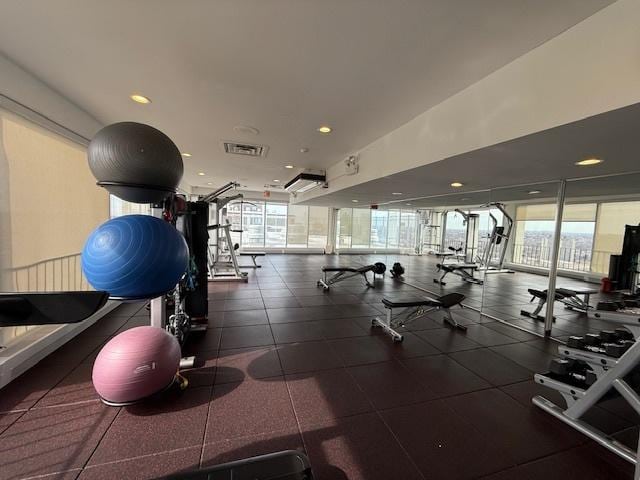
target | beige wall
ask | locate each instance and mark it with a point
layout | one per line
(52, 201)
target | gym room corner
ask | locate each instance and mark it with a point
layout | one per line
(337, 240)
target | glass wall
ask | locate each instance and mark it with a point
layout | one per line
(318, 227)
(297, 226)
(252, 224)
(361, 228)
(343, 228)
(585, 245)
(379, 224)
(278, 225)
(366, 228)
(393, 238)
(119, 207)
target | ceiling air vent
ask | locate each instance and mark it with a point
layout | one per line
(246, 149)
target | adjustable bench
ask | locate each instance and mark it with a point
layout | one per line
(253, 256)
(569, 297)
(343, 273)
(463, 270)
(420, 308)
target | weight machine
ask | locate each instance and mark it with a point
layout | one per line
(429, 232)
(499, 238)
(624, 268)
(222, 259)
(190, 296)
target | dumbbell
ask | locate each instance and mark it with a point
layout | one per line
(571, 370)
(591, 344)
(614, 336)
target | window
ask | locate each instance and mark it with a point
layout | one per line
(343, 229)
(361, 230)
(455, 232)
(534, 229)
(234, 216)
(379, 222)
(408, 227)
(318, 227)
(393, 226)
(276, 225)
(297, 226)
(252, 224)
(119, 207)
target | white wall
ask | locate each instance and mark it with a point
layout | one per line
(591, 68)
(24, 88)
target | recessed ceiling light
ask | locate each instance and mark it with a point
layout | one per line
(589, 161)
(463, 199)
(209, 183)
(305, 149)
(202, 174)
(246, 129)
(408, 204)
(533, 192)
(288, 166)
(185, 154)
(396, 193)
(354, 201)
(456, 184)
(324, 129)
(277, 181)
(140, 98)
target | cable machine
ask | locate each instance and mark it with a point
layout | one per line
(222, 259)
(498, 238)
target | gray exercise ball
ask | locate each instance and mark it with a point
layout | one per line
(135, 162)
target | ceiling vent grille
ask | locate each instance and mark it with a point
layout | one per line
(246, 149)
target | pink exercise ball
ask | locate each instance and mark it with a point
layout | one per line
(136, 364)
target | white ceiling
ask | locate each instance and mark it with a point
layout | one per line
(539, 158)
(285, 67)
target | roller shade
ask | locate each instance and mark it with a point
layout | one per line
(582, 212)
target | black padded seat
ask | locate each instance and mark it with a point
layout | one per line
(445, 301)
(458, 266)
(348, 269)
(252, 254)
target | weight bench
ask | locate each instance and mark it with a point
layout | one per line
(453, 254)
(569, 297)
(343, 273)
(253, 256)
(420, 308)
(463, 270)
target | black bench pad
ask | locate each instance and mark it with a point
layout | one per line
(252, 254)
(458, 266)
(445, 301)
(348, 269)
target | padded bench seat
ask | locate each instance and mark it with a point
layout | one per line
(459, 266)
(416, 309)
(445, 301)
(252, 254)
(347, 269)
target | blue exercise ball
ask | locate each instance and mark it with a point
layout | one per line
(135, 257)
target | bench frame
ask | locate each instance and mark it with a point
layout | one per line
(253, 256)
(419, 310)
(340, 275)
(463, 270)
(569, 297)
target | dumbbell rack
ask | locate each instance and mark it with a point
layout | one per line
(610, 374)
